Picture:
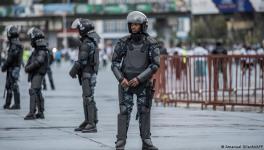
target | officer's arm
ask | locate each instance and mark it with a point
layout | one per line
(85, 52)
(37, 63)
(83, 59)
(13, 52)
(154, 64)
(116, 61)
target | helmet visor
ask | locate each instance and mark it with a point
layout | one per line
(76, 23)
(30, 32)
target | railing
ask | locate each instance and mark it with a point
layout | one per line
(217, 80)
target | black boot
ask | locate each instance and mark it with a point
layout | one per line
(30, 116)
(85, 122)
(121, 132)
(15, 106)
(147, 145)
(40, 103)
(91, 126)
(144, 124)
(81, 126)
(17, 100)
(40, 115)
(8, 99)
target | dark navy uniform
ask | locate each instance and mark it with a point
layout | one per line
(86, 67)
(12, 67)
(36, 68)
(135, 56)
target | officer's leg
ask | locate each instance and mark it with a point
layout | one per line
(40, 98)
(85, 108)
(32, 104)
(44, 84)
(8, 89)
(34, 92)
(15, 89)
(49, 72)
(8, 98)
(144, 120)
(89, 82)
(125, 105)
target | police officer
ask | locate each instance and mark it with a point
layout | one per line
(86, 68)
(135, 60)
(49, 72)
(12, 67)
(36, 68)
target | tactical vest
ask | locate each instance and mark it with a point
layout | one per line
(42, 70)
(92, 58)
(136, 59)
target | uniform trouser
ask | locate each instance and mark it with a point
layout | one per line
(36, 98)
(49, 72)
(12, 87)
(126, 104)
(89, 105)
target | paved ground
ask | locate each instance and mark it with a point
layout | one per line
(172, 128)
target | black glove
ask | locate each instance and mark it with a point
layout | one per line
(72, 73)
(26, 69)
(75, 69)
(3, 69)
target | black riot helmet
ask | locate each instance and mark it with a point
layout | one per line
(83, 25)
(34, 35)
(12, 31)
(137, 17)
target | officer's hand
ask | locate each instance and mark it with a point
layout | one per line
(124, 83)
(134, 82)
(72, 74)
(3, 69)
(26, 69)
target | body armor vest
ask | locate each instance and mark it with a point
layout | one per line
(136, 59)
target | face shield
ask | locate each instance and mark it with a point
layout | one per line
(30, 32)
(76, 24)
(8, 30)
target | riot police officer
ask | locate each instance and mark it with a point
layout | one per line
(86, 68)
(12, 67)
(49, 72)
(135, 60)
(36, 68)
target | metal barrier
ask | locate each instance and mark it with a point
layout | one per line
(217, 80)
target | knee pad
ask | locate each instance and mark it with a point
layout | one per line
(123, 110)
(15, 87)
(88, 100)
